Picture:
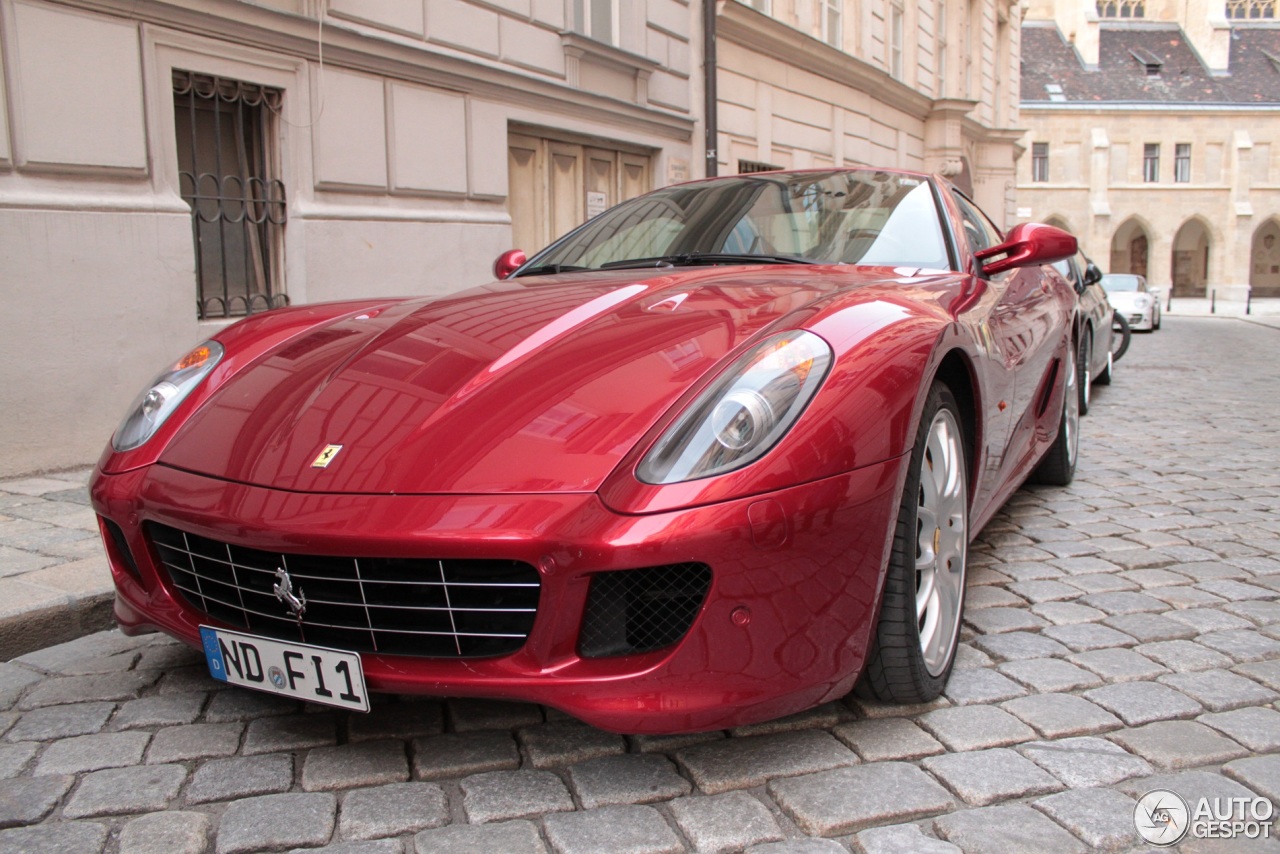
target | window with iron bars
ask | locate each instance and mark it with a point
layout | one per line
(1246, 10)
(226, 172)
(1122, 9)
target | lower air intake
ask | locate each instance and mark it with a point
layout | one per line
(640, 610)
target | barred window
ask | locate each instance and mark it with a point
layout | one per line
(1039, 161)
(1248, 10)
(1151, 162)
(1182, 163)
(748, 166)
(226, 172)
(1122, 9)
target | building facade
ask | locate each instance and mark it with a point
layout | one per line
(1154, 135)
(169, 165)
(931, 86)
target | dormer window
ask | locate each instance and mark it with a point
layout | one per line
(1148, 60)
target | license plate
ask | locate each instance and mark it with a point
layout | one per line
(312, 673)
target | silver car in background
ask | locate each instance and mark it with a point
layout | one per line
(1129, 295)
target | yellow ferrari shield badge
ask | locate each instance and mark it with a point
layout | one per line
(326, 456)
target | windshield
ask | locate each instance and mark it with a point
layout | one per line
(854, 217)
(1119, 283)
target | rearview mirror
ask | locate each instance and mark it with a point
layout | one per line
(1029, 244)
(508, 262)
(1092, 274)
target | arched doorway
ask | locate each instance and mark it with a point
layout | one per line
(1264, 261)
(1129, 248)
(1191, 259)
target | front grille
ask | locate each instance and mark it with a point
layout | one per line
(640, 610)
(397, 606)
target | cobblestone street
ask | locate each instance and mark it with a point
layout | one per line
(1122, 635)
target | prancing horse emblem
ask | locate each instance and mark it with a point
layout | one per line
(284, 592)
(326, 456)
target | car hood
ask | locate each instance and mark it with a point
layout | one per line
(538, 384)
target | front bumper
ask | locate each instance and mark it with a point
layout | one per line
(796, 578)
(1141, 320)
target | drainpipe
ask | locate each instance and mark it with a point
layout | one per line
(710, 122)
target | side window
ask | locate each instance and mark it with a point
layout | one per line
(977, 228)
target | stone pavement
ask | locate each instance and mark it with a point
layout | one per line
(54, 581)
(1122, 635)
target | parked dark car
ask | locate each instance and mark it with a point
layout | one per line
(1095, 350)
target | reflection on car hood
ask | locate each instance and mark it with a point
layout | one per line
(535, 384)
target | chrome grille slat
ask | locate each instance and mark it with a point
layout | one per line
(298, 576)
(420, 607)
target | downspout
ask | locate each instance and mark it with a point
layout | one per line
(709, 97)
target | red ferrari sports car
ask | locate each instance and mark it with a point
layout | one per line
(707, 460)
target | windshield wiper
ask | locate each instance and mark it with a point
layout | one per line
(694, 259)
(551, 269)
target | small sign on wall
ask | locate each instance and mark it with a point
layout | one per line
(677, 170)
(596, 203)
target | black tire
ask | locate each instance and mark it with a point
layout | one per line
(899, 667)
(1084, 372)
(1058, 466)
(1159, 317)
(1104, 378)
(1120, 325)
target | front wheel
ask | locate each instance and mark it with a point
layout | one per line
(914, 646)
(1059, 465)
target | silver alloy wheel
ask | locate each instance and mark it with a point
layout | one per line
(941, 542)
(1071, 418)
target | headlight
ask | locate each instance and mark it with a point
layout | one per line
(1142, 303)
(158, 401)
(744, 413)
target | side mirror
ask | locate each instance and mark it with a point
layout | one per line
(1092, 274)
(1027, 245)
(508, 262)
